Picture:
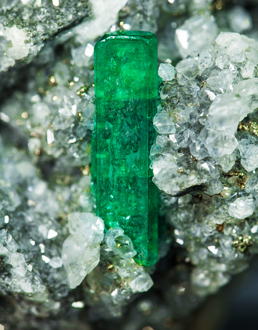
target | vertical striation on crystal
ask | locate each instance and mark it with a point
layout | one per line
(126, 99)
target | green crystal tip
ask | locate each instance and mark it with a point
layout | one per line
(126, 89)
(126, 65)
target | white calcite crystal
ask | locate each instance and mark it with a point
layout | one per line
(138, 280)
(241, 208)
(239, 19)
(105, 14)
(86, 224)
(18, 45)
(81, 250)
(195, 34)
(166, 170)
(249, 155)
(166, 71)
(163, 123)
(225, 113)
(56, 262)
(83, 56)
(119, 243)
(141, 283)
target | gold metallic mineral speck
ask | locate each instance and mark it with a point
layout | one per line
(52, 81)
(82, 91)
(243, 243)
(250, 126)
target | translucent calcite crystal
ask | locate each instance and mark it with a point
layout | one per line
(126, 96)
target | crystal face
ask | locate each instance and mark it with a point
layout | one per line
(126, 100)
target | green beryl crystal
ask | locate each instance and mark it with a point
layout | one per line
(126, 100)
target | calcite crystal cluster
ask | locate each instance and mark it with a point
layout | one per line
(59, 269)
(206, 156)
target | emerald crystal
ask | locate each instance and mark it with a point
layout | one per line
(126, 99)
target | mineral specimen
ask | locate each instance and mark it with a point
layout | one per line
(126, 100)
(204, 160)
